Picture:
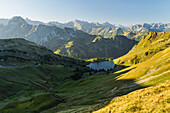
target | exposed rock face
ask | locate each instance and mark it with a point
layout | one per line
(17, 21)
(50, 36)
(31, 22)
(119, 31)
(82, 25)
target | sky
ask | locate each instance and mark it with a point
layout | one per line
(125, 12)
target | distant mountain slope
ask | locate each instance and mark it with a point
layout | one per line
(4, 21)
(154, 27)
(33, 22)
(82, 25)
(108, 30)
(29, 21)
(98, 47)
(105, 30)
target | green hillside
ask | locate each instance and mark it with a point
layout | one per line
(150, 45)
(14, 52)
(149, 71)
(154, 99)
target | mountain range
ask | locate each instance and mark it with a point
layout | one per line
(67, 41)
(87, 26)
(106, 29)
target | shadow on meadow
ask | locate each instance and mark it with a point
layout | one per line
(88, 94)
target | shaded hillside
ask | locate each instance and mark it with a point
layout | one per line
(19, 50)
(28, 70)
(98, 47)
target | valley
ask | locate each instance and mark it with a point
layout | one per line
(41, 81)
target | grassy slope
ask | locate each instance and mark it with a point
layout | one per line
(22, 52)
(152, 71)
(147, 73)
(146, 48)
(155, 99)
(30, 80)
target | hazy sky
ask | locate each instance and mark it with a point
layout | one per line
(124, 12)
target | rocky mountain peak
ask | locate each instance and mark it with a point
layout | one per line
(96, 23)
(107, 24)
(17, 20)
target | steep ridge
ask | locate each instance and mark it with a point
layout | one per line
(150, 45)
